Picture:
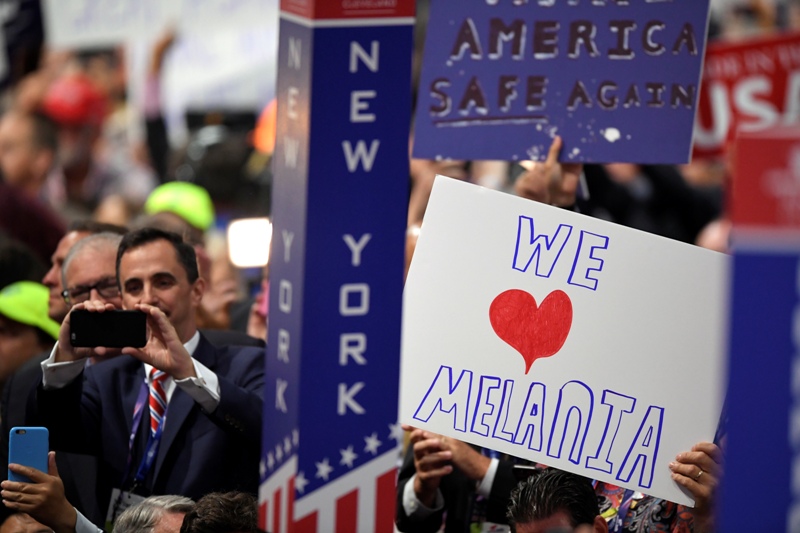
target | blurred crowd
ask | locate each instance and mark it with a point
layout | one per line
(67, 155)
(72, 171)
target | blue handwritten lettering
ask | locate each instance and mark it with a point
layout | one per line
(644, 449)
(544, 250)
(500, 431)
(619, 404)
(575, 402)
(484, 408)
(448, 397)
(587, 261)
(521, 420)
(531, 422)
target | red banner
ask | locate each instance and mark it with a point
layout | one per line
(766, 185)
(747, 86)
(349, 9)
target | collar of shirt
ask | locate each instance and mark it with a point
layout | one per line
(169, 383)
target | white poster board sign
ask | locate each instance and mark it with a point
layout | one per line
(224, 70)
(88, 23)
(560, 338)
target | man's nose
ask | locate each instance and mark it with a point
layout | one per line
(149, 296)
(51, 279)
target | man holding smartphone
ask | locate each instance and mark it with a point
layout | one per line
(205, 403)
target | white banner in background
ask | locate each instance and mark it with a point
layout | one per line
(225, 70)
(92, 23)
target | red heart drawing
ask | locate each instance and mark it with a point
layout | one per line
(533, 331)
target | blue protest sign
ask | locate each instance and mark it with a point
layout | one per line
(618, 80)
(331, 436)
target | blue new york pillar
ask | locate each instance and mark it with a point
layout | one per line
(330, 436)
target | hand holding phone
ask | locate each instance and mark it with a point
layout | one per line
(39, 493)
(164, 348)
(27, 446)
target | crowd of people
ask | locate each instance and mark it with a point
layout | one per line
(94, 220)
(166, 437)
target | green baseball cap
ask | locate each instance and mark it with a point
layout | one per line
(189, 201)
(26, 302)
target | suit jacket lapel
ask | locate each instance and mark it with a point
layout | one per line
(132, 386)
(181, 405)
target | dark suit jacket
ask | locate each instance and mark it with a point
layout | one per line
(200, 452)
(78, 472)
(229, 337)
(458, 492)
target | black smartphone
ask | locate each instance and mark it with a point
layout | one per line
(110, 329)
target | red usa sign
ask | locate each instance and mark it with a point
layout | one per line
(747, 86)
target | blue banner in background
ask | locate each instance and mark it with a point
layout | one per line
(761, 432)
(500, 79)
(336, 273)
(762, 424)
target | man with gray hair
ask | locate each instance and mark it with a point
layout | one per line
(156, 514)
(90, 272)
(87, 270)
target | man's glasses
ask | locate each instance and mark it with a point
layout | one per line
(106, 288)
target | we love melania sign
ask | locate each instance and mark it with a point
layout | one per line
(562, 339)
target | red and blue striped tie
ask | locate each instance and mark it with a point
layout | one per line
(158, 399)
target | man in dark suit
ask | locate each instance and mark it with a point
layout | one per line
(211, 398)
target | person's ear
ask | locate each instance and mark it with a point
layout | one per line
(198, 289)
(600, 524)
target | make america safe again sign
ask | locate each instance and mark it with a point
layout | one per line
(562, 339)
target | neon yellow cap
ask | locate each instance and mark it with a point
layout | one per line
(26, 302)
(189, 201)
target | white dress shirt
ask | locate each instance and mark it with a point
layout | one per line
(204, 388)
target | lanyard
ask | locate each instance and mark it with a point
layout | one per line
(150, 451)
(627, 498)
(625, 505)
(152, 441)
(149, 455)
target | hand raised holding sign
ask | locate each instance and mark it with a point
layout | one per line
(700, 471)
(431, 461)
(435, 456)
(549, 182)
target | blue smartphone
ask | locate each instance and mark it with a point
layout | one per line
(28, 446)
